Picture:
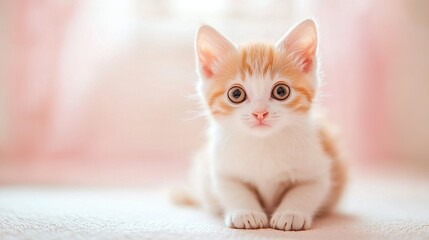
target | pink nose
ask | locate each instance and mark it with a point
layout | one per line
(260, 115)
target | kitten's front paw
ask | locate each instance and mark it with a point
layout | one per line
(290, 220)
(248, 219)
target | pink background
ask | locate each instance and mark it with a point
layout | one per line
(95, 92)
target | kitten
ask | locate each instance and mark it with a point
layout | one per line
(269, 160)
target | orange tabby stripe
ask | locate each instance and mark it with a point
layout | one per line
(217, 112)
(225, 107)
(294, 103)
(269, 61)
(259, 56)
(308, 94)
(297, 105)
(302, 108)
(214, 96)
(245, 67)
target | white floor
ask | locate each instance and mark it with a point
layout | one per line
(374, 208)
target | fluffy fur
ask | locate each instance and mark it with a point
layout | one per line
(280, 170)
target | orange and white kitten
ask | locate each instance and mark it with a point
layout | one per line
(269, 160)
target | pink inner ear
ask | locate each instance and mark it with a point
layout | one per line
(305, 57)
(307, 64)
(206, 60)
(207, 71)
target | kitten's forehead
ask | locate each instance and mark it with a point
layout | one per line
(256, 59)
(257, 85)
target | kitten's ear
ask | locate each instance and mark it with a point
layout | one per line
(301, 44)
(211, 46)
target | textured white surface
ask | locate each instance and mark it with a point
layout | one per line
(388, 209)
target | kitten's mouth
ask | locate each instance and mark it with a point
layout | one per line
(260, 125)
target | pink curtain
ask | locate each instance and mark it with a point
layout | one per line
(38, 33)
(361, 42)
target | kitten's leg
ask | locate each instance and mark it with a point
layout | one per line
(299, 205)
(241, 206)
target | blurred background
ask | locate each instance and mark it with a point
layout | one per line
(95, 92)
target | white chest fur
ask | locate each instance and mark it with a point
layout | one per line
(269, 164)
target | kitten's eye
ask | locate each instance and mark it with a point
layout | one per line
(280, 92)
(236, 94)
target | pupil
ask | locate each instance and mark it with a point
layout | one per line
(281, 91)
(236, 93)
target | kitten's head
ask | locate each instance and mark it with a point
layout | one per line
(258, 88)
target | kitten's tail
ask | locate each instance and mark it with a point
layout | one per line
(182, 196)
